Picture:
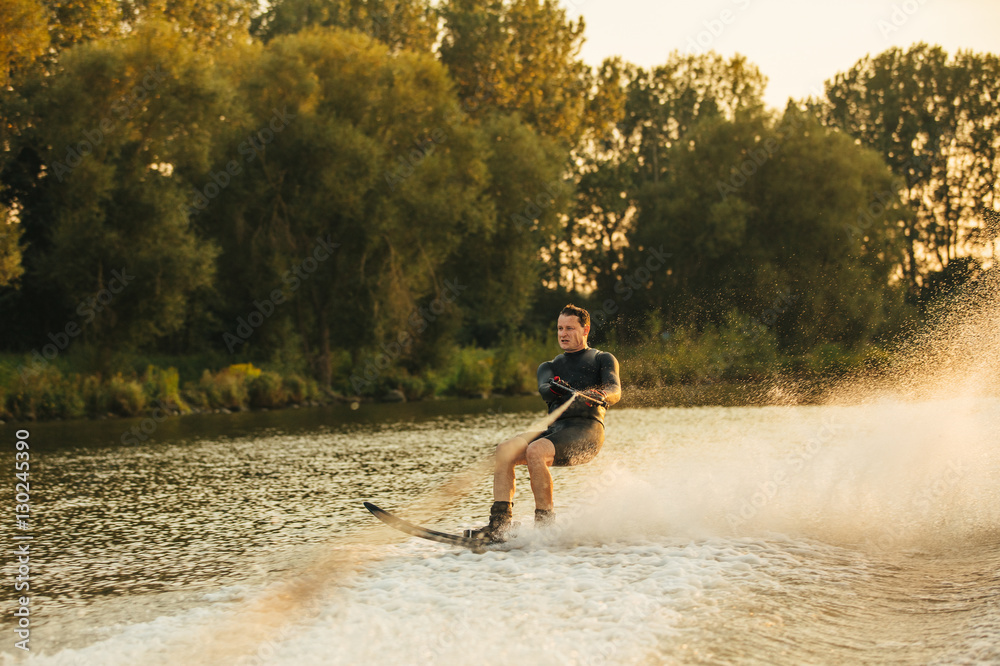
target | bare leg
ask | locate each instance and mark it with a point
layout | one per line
(509, 454)
(539, 456)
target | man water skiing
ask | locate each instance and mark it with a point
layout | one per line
(574, 438)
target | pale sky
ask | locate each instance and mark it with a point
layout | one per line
(797, 44)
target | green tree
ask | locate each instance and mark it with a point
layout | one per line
(500, 260)
(758, 213)
(663, 104)
(826, 229)
(372, 155)
(102, 191)
(72, 21)
(704, 228)
(619, 169)
(518, 56)
(221, 21)
(933, 119)
(592, 239)
(24, 35)
(605, 210)
(10, 249)
(400, 24)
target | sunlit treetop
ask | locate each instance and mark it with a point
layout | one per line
(23, 35)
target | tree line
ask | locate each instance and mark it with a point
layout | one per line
(329, 181)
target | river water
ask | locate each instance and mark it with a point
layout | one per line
(863, 534)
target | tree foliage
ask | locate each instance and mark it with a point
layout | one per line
(75, 21)
(754, 211)
(347, 185)
(24, 35)
(221, 21)
(525, 195)
(518, 56)
(122, 119)
(396, 198)
(934, 120)
(10, 249)
(400, 24)
(624, 168)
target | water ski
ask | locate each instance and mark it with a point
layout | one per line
(475, 545)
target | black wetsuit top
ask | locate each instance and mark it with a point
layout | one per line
(585, 369)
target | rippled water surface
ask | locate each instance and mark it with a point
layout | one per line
(779, 535)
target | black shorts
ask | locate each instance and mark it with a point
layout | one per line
(577, 441)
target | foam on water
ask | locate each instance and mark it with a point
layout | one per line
(586, 604)
(890, 476)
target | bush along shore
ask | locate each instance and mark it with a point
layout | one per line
(51, 394)
(683, 369)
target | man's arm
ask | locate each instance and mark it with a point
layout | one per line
(610, 382)
(545, 377)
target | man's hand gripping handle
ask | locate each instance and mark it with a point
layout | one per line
(591, 396)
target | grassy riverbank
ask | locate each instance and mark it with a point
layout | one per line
(707, 369)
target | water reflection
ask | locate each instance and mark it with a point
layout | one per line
(213, 499)
(214, 507)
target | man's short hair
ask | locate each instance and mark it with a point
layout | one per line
(580, 313)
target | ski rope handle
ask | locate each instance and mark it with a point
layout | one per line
(569, 389)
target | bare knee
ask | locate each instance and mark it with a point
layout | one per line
(511, 451)
(540, 453)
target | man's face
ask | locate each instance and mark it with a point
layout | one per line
(572, 336)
